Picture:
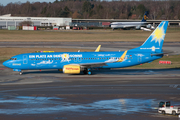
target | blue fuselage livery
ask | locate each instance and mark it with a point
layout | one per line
(74, 62)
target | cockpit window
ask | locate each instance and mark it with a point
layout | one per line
(13, 58)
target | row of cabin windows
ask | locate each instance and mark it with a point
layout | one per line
(79, 58)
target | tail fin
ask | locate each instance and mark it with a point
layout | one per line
(144, 17)
(155, 41)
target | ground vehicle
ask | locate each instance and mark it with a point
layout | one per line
(166, 108)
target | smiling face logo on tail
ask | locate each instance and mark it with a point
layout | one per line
(155, 41)
(159, 34)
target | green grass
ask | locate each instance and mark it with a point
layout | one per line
(173, 35)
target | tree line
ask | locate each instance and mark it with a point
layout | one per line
(96, 9)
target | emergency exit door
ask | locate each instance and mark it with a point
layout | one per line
(25, 59)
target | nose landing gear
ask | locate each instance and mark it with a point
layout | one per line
(20, 73)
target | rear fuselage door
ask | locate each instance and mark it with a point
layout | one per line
(139, 58)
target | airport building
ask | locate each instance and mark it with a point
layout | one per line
(8, 20)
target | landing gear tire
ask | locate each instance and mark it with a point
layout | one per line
(89, 72)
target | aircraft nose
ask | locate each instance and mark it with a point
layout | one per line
(5, 63)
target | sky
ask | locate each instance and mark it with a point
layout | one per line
(5, 2)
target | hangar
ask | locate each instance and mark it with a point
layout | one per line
(8, 20)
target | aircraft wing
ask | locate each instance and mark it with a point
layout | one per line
(129, 26)
(87, 65)
(99, 64)
(156, 54)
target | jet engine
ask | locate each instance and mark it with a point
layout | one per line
(138, 27)
(71, 69)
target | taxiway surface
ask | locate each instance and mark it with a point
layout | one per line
(107, 94)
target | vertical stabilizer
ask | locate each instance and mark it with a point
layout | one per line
(144, 17)
(155, 41)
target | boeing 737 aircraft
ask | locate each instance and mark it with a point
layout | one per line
(75, 62)
(136, 25)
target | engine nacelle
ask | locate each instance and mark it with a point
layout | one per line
(71, 69)
(138, 27)
(148, 26)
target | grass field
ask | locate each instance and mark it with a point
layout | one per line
(172, 35)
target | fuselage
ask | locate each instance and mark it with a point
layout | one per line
(126, 24)
(56, 60)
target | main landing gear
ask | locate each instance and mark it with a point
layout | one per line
(87, 71)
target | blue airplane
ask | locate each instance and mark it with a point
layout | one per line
(75, 62)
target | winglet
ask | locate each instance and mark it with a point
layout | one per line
(98, 48)
(122, 57)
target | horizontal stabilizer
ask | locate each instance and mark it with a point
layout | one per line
(157, 54)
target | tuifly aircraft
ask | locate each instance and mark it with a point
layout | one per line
(75, 62)
(143, 25)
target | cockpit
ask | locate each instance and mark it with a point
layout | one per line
(13, 58)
